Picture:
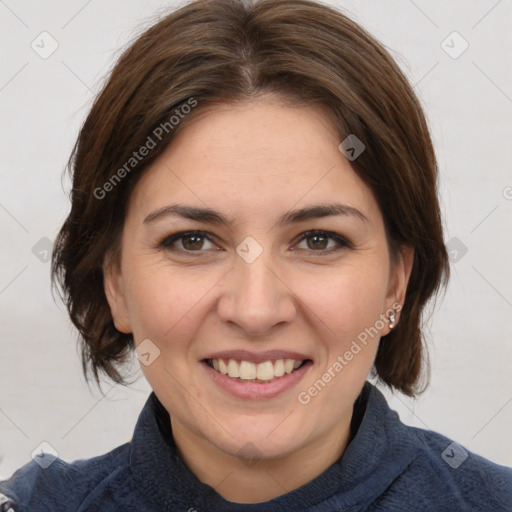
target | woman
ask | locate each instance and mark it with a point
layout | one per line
(255, 213)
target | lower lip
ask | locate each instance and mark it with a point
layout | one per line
(257, 390)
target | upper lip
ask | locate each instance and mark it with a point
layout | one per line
(257, 357)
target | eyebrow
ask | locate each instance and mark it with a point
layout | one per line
(210, 216)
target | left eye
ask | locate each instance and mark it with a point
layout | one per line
(318, 241)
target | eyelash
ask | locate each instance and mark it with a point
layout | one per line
(342, 242)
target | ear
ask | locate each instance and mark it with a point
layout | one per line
(400, 273)
(115, 292)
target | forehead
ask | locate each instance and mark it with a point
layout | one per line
(254, 157)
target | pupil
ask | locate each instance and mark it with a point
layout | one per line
(195, 245)
(322, 241)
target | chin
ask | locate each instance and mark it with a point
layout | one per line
(256, 437)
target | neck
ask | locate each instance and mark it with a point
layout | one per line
(259, 479)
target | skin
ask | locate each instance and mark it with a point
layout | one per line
(253, 162)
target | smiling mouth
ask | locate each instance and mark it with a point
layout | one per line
(264, 372)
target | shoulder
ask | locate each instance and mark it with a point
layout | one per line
(451, 474)
(422, 470)
(60, 485)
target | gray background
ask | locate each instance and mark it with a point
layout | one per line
(43, 101)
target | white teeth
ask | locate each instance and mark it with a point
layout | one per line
(265, 371)
(279, 368)
(233, 368)
(246, 370)
(222, 367)
(288, 365)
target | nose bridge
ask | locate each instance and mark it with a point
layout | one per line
(257, 281)
(257, 299)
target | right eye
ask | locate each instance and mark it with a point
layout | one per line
(188, 242)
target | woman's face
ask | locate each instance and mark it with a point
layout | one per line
(288, 299)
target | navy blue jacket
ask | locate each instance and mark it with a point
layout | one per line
(387, 466)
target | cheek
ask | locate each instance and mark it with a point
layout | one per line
(346, 300)
(161, 299)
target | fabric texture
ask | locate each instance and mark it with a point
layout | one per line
(387, 467)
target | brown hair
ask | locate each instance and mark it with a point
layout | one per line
(225, 51)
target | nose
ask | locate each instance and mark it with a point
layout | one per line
(255, 297)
